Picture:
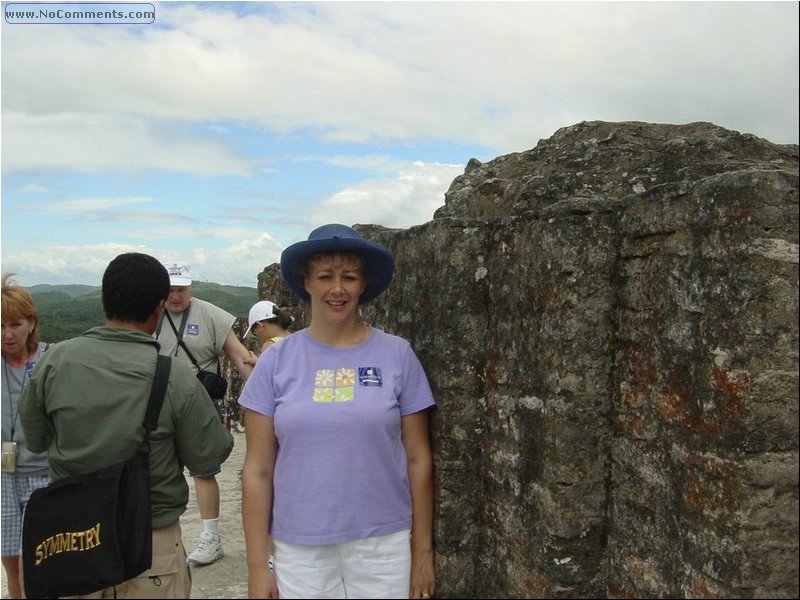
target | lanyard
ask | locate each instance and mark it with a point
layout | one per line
(25, 377)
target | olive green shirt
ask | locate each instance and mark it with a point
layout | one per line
(85, 405)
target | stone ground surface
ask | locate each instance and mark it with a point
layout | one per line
(226, 578)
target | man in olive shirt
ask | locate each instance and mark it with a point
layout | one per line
(86, 401)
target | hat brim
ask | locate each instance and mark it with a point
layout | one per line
(379, 264)
(180, 281)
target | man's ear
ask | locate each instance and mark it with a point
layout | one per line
(157, 311)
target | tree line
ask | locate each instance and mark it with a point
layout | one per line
(67, 311)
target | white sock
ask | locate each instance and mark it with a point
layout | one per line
(211, 526)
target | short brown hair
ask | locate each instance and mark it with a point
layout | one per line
(348, 255)
(17, 305)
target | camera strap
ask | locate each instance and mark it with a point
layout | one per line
(179, 336)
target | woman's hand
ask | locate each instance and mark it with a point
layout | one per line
(261, 584)
(423, 584)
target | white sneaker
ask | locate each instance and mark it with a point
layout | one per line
(209, 550)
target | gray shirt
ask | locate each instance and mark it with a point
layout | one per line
(29, 464)
(205, 330)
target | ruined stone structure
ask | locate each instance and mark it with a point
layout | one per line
(610, 325)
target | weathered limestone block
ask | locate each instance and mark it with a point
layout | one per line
(609, 322)
(700, 320)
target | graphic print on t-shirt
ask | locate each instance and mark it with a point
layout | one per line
(334, 386)
(338, 385)
(370, 376)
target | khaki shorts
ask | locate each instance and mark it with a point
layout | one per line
(168, 577)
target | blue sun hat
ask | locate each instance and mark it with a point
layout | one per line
(378, 260)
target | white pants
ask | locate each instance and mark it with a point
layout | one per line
(376, 567)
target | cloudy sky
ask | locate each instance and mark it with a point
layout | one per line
(225, 131)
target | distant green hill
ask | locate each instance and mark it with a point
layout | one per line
(66, 311)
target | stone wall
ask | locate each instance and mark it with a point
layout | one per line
(609, 322)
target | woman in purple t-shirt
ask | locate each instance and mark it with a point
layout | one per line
(338, 468)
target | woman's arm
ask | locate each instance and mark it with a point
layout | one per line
(257, 472)
(420, 476)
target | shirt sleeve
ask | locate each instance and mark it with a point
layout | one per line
(416, 394)
(223, 322)
(36, 426)
(258, 393)
(203, 441)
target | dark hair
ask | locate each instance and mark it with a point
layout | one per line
(134, 284)
(280, 317)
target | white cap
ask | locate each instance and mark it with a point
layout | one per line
(179, 273)
(261, 310)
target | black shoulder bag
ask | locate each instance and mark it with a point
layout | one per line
(216, 385)
(87, 532)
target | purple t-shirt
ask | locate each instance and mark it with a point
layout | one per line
(341, 471)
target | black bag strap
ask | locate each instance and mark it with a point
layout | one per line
(179, 337)
(157, 392)
(179, 334)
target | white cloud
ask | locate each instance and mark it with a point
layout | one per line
(64, 263)
(501, 75)
(198, 93)
(408, 199)
(34, 188)
(372, 162)
(93, 204)
(237, 264)
(246, 259)
(97, 142)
